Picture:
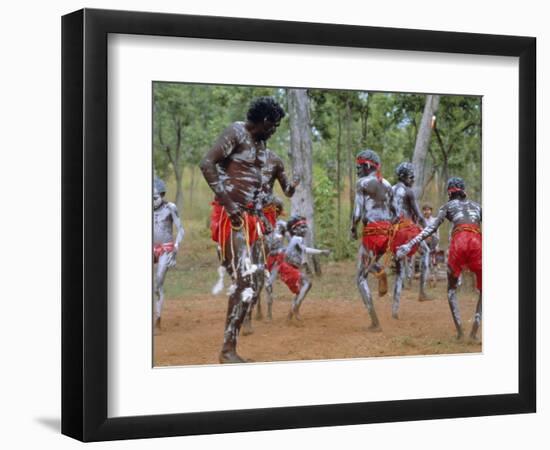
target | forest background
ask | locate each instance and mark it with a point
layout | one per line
(318, 142)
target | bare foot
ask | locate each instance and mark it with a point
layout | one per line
(374, 328)
(395, 315)
(231, 358)
(294, 318)
(423, 297)
(382, 283)
(259, 315)
(156, 327)
(459, 336)
(247, 329)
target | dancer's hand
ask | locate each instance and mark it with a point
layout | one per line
(353, 232)
(403, 251)
(236, 219)
(327, 252)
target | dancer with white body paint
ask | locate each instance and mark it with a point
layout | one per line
(233, 170)
(464, 250)
(409, 215)
(295, 257)
(276, 264)
(373, 207)
(165, 249)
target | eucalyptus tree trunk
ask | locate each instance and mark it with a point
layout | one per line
(302, 162)
(350, 155)
(423, 143)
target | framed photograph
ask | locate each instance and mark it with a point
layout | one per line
(302, 201)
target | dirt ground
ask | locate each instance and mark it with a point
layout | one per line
(334, 325)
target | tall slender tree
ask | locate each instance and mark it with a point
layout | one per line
(423, 143)
(302, 161)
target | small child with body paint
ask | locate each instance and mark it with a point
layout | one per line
(290, 268)
(276, 264)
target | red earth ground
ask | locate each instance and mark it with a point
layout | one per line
(333, 326)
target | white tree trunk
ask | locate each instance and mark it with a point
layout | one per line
(302, 159)
(423, 143)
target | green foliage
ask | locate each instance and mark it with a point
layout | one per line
(455, 149)
(324, 194)
(342, 124)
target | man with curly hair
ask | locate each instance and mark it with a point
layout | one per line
(464, 249)
(233, 170)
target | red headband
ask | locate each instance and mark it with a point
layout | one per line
(373, 164)
(454, 189)
(300, 222)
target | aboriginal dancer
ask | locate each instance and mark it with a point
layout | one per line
(233, 170)
(373, 207)
(165, 249)
(290, 268)
(276, 244)
(464, 249)
(409, 216)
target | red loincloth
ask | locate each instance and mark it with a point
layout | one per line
(220, 225)
(465, 251)
(270, 213)
(289, 274)
(404, 231)
(161, 249)
(376, 236)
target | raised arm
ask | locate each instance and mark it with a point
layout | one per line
(221, 150)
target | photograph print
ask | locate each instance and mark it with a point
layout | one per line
(314, 224)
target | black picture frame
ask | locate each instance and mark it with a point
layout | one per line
(84, 224)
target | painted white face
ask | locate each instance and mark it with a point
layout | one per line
(408, 179)
(300, 230)
(157, 199)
